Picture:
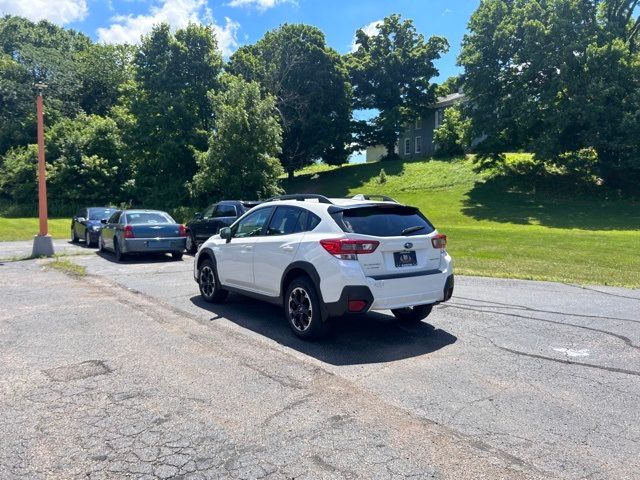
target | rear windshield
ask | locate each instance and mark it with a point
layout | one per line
(149, 217)
(383, 221)
(100, 213)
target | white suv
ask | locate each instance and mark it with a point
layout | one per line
(322, 258)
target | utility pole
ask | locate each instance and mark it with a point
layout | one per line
(42, 243)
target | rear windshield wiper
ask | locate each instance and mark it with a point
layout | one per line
(409, 230)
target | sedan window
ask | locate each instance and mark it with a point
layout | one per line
(148, 217)
(115, 217)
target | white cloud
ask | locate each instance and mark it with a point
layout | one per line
(178, 14)
(56, 11)
(371, 30)
(261, 5)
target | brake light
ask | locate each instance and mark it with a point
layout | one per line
(128, 232)
(182, 231)
(347, 249)
(439, 241)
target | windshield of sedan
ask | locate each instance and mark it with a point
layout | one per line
(149, 217)
(100, 213)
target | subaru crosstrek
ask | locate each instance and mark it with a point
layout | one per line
(322, 258)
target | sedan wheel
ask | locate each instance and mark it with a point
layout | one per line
(87, 238)
(100, 243)
(74, 235)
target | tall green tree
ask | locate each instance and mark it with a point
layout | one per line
(391, 72)
(36, 52)
(174, 72)
(243, 147)
(311, 85)
(556, 76)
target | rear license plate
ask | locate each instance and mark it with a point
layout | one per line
(405, 259)
(158, 244)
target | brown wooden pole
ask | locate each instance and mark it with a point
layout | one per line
(42, 172)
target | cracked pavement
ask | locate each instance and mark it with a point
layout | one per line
(126, 373)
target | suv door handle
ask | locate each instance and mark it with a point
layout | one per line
(288, 248)
(247, 247)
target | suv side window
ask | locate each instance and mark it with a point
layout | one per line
(208, 213)
(114, 218)
(253, 224)
(285, 221)
(81, 213)
(225, 211)
(307, 221)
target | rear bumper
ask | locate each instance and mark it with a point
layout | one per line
(433, 287)
(140, 245)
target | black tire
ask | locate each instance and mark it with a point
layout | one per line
(74, 235)
(412, 314)
(177, 256)
(120, 257)
(302, 310)
(101, 244)
(192, 246)
(87, 238)
(208, 282)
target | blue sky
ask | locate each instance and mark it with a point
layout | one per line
(245, 21)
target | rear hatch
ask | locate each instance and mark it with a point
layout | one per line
(403, 234)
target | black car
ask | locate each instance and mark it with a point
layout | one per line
(210, 221)
(86, 224)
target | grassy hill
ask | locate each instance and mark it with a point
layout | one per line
(496, 231)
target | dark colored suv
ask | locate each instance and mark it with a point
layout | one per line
(210, 221)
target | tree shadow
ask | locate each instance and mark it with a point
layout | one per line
(338, 182)
(371, 338)
(500, 199)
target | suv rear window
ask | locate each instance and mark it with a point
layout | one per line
(383, 221)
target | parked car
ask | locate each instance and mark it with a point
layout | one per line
(210, 221)
(86, 224)
(142, 231)
(321, 258)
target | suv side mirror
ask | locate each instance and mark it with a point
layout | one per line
(225, 233)
(197, 215)
(104, 220)
(81, 219)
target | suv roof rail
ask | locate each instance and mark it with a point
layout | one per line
(383, 198)
(301, 197)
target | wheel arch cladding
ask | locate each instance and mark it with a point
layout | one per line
(204, 255)
(297, 269)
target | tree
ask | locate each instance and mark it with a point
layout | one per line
(556, 77)
(391, 73)
(452, 137)
(243, 146)
(311, 85)
(36, 52)
(174, 72)
(449, 86)
(85, 165)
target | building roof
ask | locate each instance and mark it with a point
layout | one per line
(449, 100)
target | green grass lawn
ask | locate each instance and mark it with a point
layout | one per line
(26, 228)
(495, 231)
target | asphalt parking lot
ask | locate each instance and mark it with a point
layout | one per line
(512, 379)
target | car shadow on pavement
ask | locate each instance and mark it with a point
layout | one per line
(137, 258)
(371, 338)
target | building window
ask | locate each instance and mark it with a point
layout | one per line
(418, 145)
(407, 146)
(439, 114)
(419, 124)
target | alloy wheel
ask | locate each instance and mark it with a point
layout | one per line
(207, 281)
(300, 309)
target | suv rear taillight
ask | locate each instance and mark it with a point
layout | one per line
(439, 241)
(128, 232)
(182, 231)
(349, 249)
